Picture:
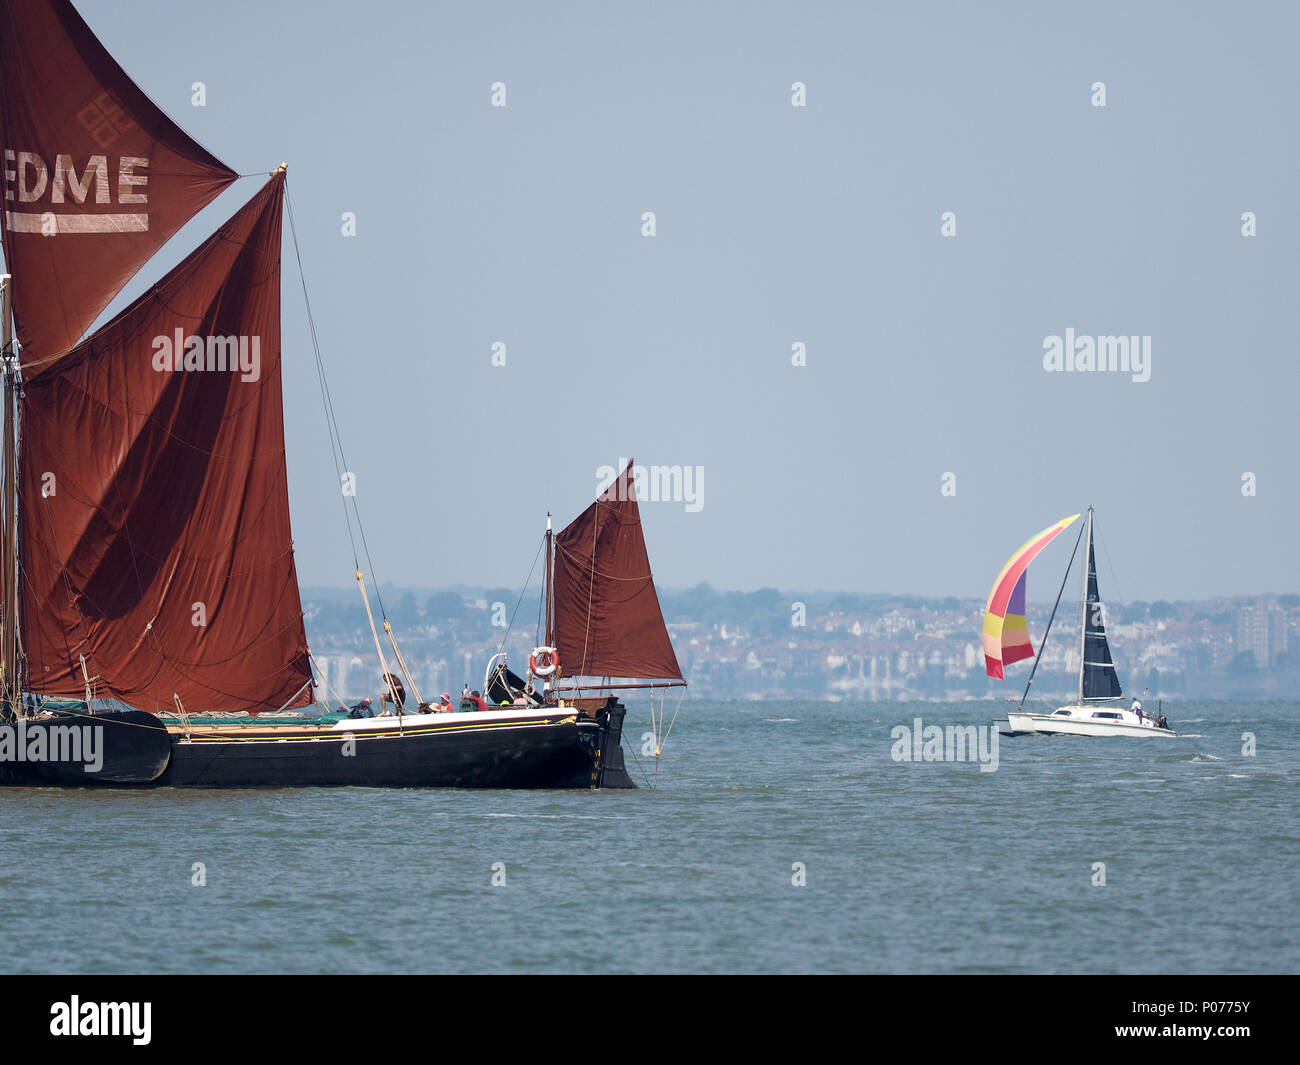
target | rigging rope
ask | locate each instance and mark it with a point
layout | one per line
(341, 470)
(331, 420)
(401, 664)
(522, 592)
(644, 776)
(383, 664)
(541, 601)
(325, 679)
(306, 684)
(1119, 595)
(657, 724)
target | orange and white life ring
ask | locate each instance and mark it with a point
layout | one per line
(543, 661)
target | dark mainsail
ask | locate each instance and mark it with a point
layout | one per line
(96, 177)
(608, 622)
(1100, 681)
(154, 499)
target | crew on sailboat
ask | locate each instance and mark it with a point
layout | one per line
(472, 701)
(395, 692)
(1137, 708)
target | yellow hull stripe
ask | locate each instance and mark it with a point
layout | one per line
(245, 735)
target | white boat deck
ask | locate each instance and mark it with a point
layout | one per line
(1088, 721)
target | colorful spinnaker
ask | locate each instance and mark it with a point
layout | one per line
(1006, 633)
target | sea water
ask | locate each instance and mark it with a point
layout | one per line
(782, 837)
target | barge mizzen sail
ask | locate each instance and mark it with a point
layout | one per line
(607, 618)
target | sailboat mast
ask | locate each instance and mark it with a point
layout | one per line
(12, 695)
(550, 634)
(1083, 610)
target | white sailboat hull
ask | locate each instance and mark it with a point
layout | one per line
(1083, 721)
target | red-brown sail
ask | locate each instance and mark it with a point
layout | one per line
(608, 622)
(96, 178)
(154, 502)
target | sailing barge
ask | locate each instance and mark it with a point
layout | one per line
(147, 553)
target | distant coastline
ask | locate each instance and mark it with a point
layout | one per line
(828, 646)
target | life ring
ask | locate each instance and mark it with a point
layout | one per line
(549, 664)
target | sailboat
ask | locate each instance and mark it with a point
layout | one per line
(1006, 640)
(147, 561)
(604, 627)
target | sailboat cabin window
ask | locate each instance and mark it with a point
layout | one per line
(1108, 716)
(1062, 713)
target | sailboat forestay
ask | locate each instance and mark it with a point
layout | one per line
(1006, 640)
(147, 553)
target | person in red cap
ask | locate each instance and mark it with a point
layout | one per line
(444, 706)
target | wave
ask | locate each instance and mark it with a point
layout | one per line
(565, 817)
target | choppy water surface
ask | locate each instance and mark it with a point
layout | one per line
(909, 867)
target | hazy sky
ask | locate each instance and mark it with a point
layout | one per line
(775, 225)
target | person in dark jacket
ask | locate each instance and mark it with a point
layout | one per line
(395, 692)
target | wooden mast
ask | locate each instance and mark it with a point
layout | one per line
(548, 636)
(11, 705)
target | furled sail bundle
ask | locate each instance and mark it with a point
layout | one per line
(96, 177)
(1006, 632)
(608, 622)
(155, 512)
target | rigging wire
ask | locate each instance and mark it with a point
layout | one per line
(1042, 644)
(341, 470)
(331, 419)
(326, 681)
(1109, 565)
(541, 602)
(336, 441)
(523, 591)
(644, 776)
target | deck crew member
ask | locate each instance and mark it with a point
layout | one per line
(395, 692)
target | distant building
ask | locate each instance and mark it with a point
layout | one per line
(1262, 632)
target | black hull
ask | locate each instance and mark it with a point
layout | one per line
(562, 750)
(79, 751)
